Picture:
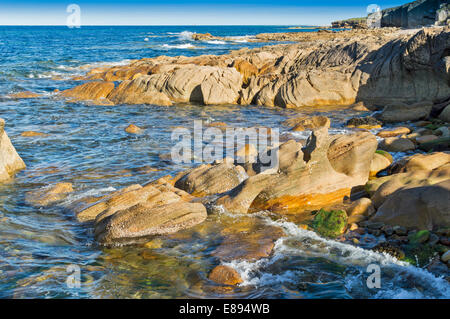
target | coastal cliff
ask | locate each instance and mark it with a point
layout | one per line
(412, 15)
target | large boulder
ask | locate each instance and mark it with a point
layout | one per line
(119, 200)
(10, 161)
(48, 195)
(383, 187)
(322, 172)
(209, 179)
(424, 207)
(445, 114)
(147, 219)
(400, 112)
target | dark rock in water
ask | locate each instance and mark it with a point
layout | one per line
(389, 249)
(368, 120)
(437, 145)
(414, 14)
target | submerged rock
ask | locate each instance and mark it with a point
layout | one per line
(10, 161)
(49, 195)
(133, 129)
(303, 123)
(225, 275)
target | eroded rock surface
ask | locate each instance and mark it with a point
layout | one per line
(10, 161)
(384, 67)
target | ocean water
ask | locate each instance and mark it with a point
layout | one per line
(87, 146)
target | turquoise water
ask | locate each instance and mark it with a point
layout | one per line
(87, 146)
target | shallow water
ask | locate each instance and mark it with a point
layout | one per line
(87, 145)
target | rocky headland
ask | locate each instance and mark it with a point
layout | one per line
(376, 67)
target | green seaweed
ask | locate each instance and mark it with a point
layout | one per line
(330, 223)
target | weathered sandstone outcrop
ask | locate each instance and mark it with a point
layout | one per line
(10, 161)
(376, 67)
(322, 172)
(422, 207)
(135, 212)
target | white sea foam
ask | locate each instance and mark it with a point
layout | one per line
(185, 35)
(90, 192)
(179, 46)
(399, 278)
(216, 42)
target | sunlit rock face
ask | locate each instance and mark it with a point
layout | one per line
(10, 161)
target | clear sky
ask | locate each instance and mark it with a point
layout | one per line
(196, 12)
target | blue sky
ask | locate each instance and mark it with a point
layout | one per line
(177, 12)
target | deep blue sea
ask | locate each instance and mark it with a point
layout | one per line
(87, 146)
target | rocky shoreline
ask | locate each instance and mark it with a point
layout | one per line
(342, 187)
(377, 67)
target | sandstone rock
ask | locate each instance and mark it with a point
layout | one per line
(401, 112)
(141, 90)
(133, 129)
(394, 132)
(360, 107)
(32, 134)
(303, 123)
(362, 206)
(395, 144)
(94, 91)
(208, 179)
(424, 207)
(445, 114)
(225, 275)
(116, 201)
(247, 153)
(49, 195)
(10, 161)
(24, 95)
(320, 173)
(392, 183)
(379, 67)
(379, 163)
(147, 219)
(420, 162)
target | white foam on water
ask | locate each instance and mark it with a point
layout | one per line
(216, 42)
(312, 245)
(90, 192)
(185, 35)
(179, 46)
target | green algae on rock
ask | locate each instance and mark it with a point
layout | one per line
(330, 223)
